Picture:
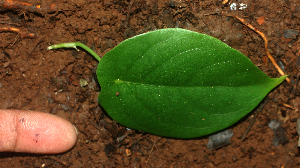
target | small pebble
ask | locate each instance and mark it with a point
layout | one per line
(290, 33)
(66, 108)
(279, 133)
(234, 158)
(50, 100)
(83, 82)
(60, 97)
(274, 124)
(92, 84)
(220, 139)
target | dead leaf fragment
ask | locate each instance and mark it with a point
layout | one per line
(261, 20)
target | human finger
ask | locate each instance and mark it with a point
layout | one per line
(35, 132)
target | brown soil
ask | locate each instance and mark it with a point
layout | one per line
(32, 78)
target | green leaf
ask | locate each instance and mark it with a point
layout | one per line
(179, 83)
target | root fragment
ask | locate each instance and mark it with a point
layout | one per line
(225, 2)
(16, 30)
(288, 106)
(266, 45)
(12, 5)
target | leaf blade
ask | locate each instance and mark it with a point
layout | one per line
(178, 83)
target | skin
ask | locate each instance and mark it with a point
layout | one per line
(35, 132)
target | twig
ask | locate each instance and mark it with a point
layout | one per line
(16, 38)
(266, 45)
(59, 160)
(253, 119)
(225, 2)
(117, 142)
(295, 86)
(16, 30)
(150, 153)
(141, 137)
(37, 41)
(120, 139)
(288, 106)
(10, 4)
(95, 125)
(7, 20)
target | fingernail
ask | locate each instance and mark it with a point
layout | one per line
(76, 130)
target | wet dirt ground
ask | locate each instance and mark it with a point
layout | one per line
(32, 78)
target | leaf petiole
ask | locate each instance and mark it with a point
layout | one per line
(74, 45)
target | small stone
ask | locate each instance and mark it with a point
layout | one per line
(279, 133)
(63, 106)
(126, 161)
(83, 82)
(274, 124)
(234, 158)
(6, 64)
(92, 84)
(290, 33)
(60, 97)
(220, 139)
(172, 4)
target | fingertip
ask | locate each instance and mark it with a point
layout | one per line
(60, 135)
(68, 140)
(35, 132)
(50, 134)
